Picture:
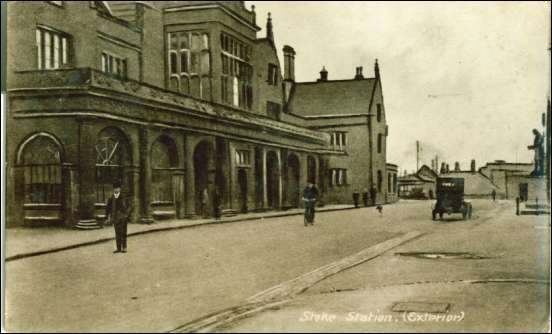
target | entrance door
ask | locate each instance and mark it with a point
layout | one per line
(242, 181)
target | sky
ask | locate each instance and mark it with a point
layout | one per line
(467, 80)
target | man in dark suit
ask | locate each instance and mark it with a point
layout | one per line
(118, 213)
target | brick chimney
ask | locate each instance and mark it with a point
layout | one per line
(456, 166)
(269, 32)
(289, 63)
(472, 166)
(323, 74)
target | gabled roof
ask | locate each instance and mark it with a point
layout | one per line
(332, 97)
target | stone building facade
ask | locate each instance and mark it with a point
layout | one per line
(174, 99)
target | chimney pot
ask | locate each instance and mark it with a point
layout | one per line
(359, 75)
(323, 74)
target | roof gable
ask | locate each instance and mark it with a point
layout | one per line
(336, 97)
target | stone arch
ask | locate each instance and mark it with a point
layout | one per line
(39, 159)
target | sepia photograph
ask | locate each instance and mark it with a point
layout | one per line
(276, 166)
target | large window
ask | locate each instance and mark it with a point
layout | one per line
(338, 140)
(42, 171)
(53, 48)
(114, 65)
(189, 63)
(236, 79)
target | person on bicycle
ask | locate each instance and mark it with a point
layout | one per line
(310, 195)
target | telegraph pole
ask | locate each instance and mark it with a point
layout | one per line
(417, 155)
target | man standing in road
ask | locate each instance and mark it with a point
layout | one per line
(493, 194)
(310, 195)
(117, 212)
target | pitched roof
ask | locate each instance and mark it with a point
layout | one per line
(333, 97)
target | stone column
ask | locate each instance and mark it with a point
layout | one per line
(87, 173)
(71, 193)
(280, 185)
(132, 174)
(265, 193)
(145, 176)
(189, 178)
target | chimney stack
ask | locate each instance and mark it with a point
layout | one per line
(359, 75)
(456, 166)
(289, 63)
(447, 168)
(253, 15)
(269, 32)
(473, 166)
(443, 168)
(323, 74)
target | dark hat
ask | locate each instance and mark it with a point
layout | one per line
(117, 184)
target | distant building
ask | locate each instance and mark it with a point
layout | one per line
(419, 185)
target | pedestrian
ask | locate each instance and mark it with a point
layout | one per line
(216, 204)
(204, 202)
(373, 195)
(493, 194)
(356, 197)
(365, 197)
(118, 213)
(310, 195)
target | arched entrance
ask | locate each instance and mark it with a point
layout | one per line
(39, 182)
(272, 180)
(243, 195)
(112, 156)
(293, 177)
(204, 172)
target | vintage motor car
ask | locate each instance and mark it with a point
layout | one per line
(450, 198)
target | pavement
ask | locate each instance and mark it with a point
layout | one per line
(264, 277)
(24, 242)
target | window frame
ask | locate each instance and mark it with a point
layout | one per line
(47, 40)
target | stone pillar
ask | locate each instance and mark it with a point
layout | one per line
(265, 193)
(145, 176)
(71, 193)
(280, 185)
(87, 172)
(189, 181)
(132, 174)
